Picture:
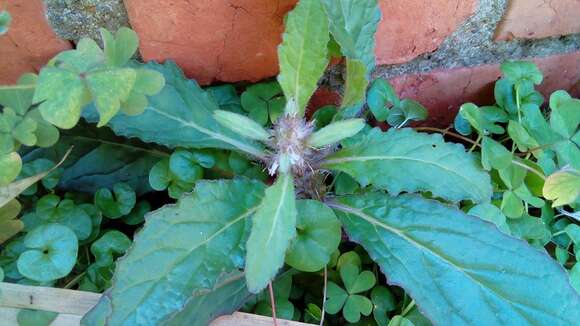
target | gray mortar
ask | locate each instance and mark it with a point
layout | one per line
(74, 19)
(472, 44)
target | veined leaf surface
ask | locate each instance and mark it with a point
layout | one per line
(404, 160)
(459, 269)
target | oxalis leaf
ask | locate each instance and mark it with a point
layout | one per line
(181, 115)
(191, 244)
(273, 227)
(404, 160)
(459, 269)
(303, 52)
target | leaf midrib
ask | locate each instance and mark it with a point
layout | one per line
(377, 223)
(278, 208)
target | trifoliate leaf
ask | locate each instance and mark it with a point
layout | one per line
(38, 166)
(118, 203)
(264, 100)
(520, 72)
(86, 56)
(10, 166)
(494, 155)
(121, 47)
(521, 137)
(565, 118)
(19, 97)
(355, 306)
(356, 281)
(51, 254)
(318, 236)
(137, 215)
(110, 87)
(559, 97)
(148, 83)
(185, 167)
(407, 111)
(511, 205)
(484, 119)
(46, 134)
(195, 245)
(404, 160)
(111, 243)
(61, 95)
(380, 97)
(412, 239)
(273, 227)
(303, 52)
(383, 302)
(226, 96)
(51, 208)
(562, 188)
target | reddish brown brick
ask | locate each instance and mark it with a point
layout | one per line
(29, 43)
(534, 19)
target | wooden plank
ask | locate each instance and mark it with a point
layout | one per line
(72, 305)
(47, 299)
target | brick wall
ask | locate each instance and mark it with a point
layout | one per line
(440, 52)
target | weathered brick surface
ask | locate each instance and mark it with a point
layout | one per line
(225, 40)
(413, 27)
(29, 43)
(443, 92)
(534, 19)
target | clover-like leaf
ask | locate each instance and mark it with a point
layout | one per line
(121, 47)
(356, 281)
(494, 155)
(408, 110)
(565, 118)
(9, 225)
(86, 56)
(264, 102)
(45, 133)
(110, 87)
(137, 215)
(318, 235)
(19, 97)
(147, 83)
(521, 137)
(10, 166)
(110, 244)
(483, 119)
(52, 253)
(380, 97)
(185, 166)
(336, 298)
(355, 306)
(27, 317)
(383, 302)
(40, 165)
(531, 229)
(51, 208)
(563, 187)
(5, 19)
(118, 203)
(520, 72)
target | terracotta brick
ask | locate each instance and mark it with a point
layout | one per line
(410, 28)
(534, 19)
(29, 43)
(443, 92)
(225, 40)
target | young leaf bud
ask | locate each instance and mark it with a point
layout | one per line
(241, 125)
(336, 132)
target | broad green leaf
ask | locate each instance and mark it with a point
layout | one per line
(519, 72)
(227, 296)
(51, 253)
(380, 96)
(356, 83)
(11, 191)
(505, 96)
(191, 244)
(273, 227)
(9, 225)
(563, 187)
(303, 52)
(226, 97)
(10, 166)
(118, 203)
(61, 95)
(335, 132)
(242, 125)
(19, 96)
(494, 155)
(404, 160)
(460, 270)
(28, 317)
(318, 235)
(5, 19)
(110, 87)
(408, 110)
(181, 115)
(353, 24)
(120, 47)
